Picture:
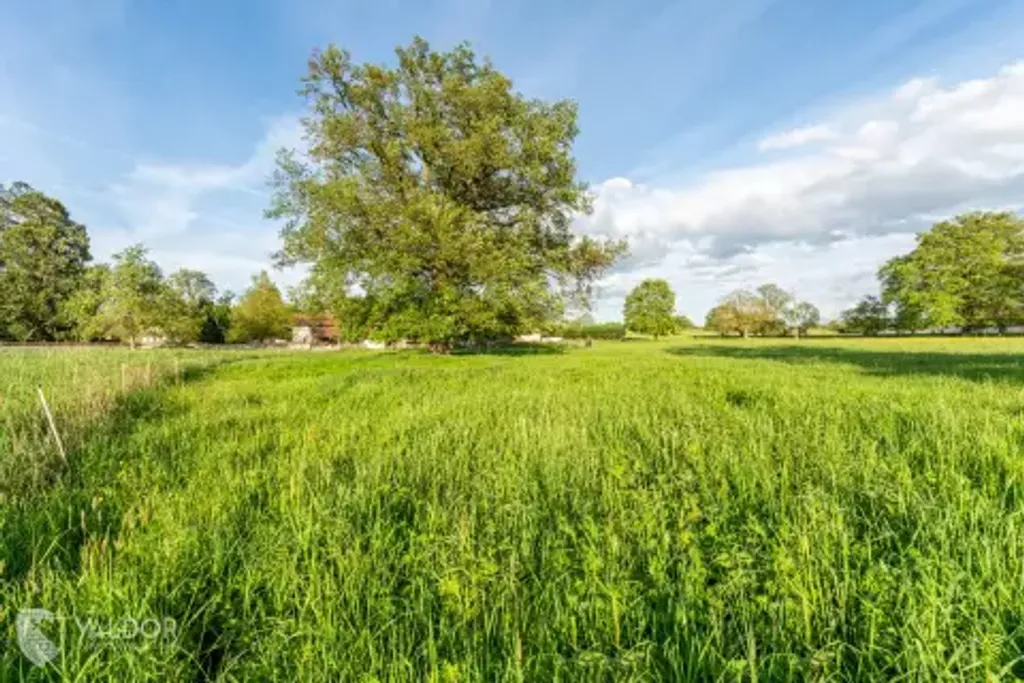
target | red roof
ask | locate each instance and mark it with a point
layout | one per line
(323, 325)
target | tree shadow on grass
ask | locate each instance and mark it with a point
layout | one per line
(977, 367)
(516, 349)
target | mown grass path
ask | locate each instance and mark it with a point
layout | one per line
(828, 510)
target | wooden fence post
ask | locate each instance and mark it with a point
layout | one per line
(53, 425)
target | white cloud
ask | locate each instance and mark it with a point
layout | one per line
(888, 168)
(160, 199)
(205, 216)
(798, 137)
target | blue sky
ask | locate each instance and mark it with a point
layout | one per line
(734, 142)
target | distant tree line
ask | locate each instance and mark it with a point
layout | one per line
(965, 274)
(768, 310)
(51, 291)
(586, 330)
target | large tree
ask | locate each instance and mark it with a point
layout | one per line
(900, 291)
(261, 314)
(216, 326)
(43, 254)
(133, 297)
(82, 308)
(437, 197)
(721, 319)
(741, 311)
(650, 308)
(869, 316)
(186, 305)
(801, 316)
(775, 303)
(966, 272)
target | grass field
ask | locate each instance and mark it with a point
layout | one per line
(690, 510)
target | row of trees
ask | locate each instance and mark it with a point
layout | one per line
(966, 273)
(49, 290)
(767, 310)
(434, 203)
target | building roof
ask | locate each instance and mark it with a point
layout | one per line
(323, 325)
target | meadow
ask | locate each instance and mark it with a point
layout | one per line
(689, 510)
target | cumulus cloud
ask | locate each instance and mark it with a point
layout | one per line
(797, 137)
(886, 167)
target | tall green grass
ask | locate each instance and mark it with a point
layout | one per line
(822, 510)
(80, 384)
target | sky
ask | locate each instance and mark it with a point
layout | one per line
(732, 143)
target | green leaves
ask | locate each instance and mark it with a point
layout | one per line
(869, 316)
(43, 254)
(133, 297)
(261, 313)
(186, 306)
(82, 308)
(965, 272)
(767, 310)
(801, 316)
(438, 196)
(650, 308)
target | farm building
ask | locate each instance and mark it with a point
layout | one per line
(311, 330)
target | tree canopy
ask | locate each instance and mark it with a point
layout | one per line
(741, 311)
(43, 254)
(967, 272)
(133, 297)
(186, 305)
(650, 308)
(434, 201)
(801, 316)
(261, 313)
(50, 291)
(767, 310)
(868, 316)
(775, 303)
(82, 309)
(682, 322)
